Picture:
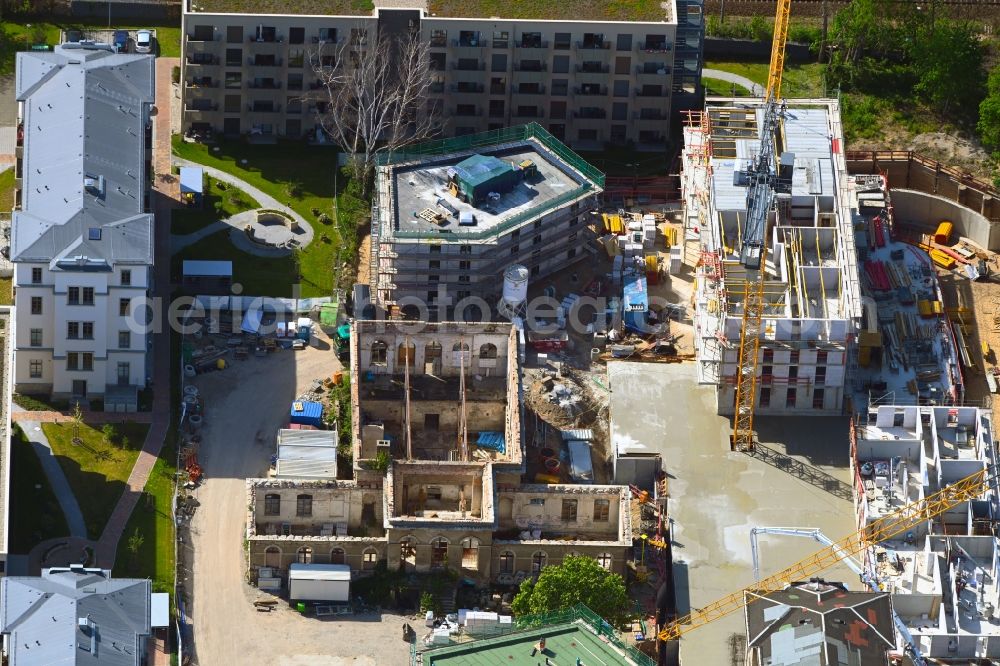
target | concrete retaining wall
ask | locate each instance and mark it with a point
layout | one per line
(723, 48)
(925, 211)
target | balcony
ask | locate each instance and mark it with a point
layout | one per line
(590, 90)
(202, 39)
(593, 44)
(467, 113)
(196, 59)
(658, 71)
(654, 46)
(264, 61)
(641, 116)
(590, 114)
(469, 67)
(529, 113)
(465, 87)
(531, 44)
(436, 87)
(527, 89)
(199, 83)
(593, 68)
(263, 107)
(266, 37)
(657, 92)
(531, 66)
(498, 89)
(200, 106)
(264, 85)
(468, 43)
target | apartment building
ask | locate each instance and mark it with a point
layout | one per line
(82, 233)
(450, 216)
(812, 294)
(941, 574)
(442, 503)
(589, 80)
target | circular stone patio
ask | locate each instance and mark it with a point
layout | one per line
(268, 232)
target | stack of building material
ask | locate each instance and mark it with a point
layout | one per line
(648, 230)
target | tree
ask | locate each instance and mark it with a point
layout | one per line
(578, 580)
(134, 545)
(374, 100)
(109, 433)
(948, 61)
(77, 422)
(989, 112)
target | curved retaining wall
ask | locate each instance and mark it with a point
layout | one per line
(923, 210)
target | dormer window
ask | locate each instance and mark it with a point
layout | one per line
(94, 233)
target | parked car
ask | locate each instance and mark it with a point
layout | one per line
(144, 41)
(73, 36)
(120, 41)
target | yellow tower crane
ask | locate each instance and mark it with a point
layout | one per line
(753, 253)
(883, 529)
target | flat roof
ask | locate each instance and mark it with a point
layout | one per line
(159, 609)
(192, 179)
(564, 644)
(555, 10)
(421, 186)
(279, 7)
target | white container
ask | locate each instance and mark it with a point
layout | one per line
(515, 284)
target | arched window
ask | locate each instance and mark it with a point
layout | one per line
(605, 559)
(304, 505)
(470, 553)
(439, 552)
(304, 555)
(460, 346)
(338, 556)
(406, 353)
(408, 553)
(272, 504)
(380, 353)
(488, 351)
(507, 562)
(538, 561)
(272, 557)
(369, 559)
(432, 351)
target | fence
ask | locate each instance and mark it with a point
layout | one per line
(578, 613)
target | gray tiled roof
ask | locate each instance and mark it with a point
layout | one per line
(84, 155)
(78, 616)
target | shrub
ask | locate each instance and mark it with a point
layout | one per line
(315, 211)
(325, 219)
(175, 74)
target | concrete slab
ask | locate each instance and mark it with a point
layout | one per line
(716, 496)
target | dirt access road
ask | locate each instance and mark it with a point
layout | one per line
(245, 406)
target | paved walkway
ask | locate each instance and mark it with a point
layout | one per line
(54, 473)
(19, 415)
(265, 200)
(755, 88)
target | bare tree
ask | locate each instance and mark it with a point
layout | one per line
(374, 93)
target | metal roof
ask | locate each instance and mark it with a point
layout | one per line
(306, 454)
(85, 113)
(299, 571)
(192, 179)
(75, 616)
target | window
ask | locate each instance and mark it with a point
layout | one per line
(35, 369)
(793, 357)
(570, 253)
(36, 305)
(621, 88)
(88, 330)
(338, 556)
(470, 553)
(233, 80)
(624, 42)
(272, 504)
(359, 36)
(507, 562)
(88, 295)
(605, 559)
(464, 265)
(531, 40)
(820, 375)
(464, 278)
(560, 87)
(501, 39)
(296, 35)
(434, 263)
(304, 555)
(369, 559)
(36, 276)
(765, 397)
(234, 34)
(793, 372)
(818, 398)
(560, 64)
(561, 41)
(124, 339)
(622, 65)
(537, 240)
(439, 552)
(88, 361)
(123, 307)
(36, 337)
(304, 505)
(126, 277)
(557, 110)
(408, 552)
(602, 508)
(498, 62)
(538, 561)
(72, 361)
(234, 57)
(439, 38)
(619, 111)
(790, 397)
(488, 351)
(73, 296)
(73, 330)
(569, 510)
(231, 104)
(515, 249)
(435, 249)
(768, 356)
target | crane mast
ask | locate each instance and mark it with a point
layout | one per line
(761, 176)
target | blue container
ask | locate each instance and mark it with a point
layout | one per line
(306, 413)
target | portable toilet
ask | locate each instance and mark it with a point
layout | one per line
(304, 328)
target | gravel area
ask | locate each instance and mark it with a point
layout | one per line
(245, 406)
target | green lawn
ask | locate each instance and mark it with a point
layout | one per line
(720, 88)
(278, 170)
(96, 471)
(259, 276)
(6, 190)
(20, 33)
(798, 80)
(219, 202)
(621, 161)
(35, 514)
(153, 519)
(577, 10)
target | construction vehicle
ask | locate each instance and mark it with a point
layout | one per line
(761, 179)
(883, 529)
